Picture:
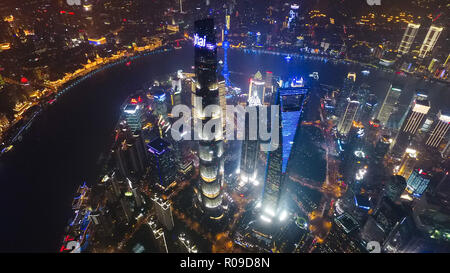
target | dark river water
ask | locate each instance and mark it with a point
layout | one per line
(40, 175)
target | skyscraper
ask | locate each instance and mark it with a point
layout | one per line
(210, 151)
(162, 163)
(395, 187)
(408, 163)
(418, 182)
(250, 148)
(440, 129)
(133, 113)
(430, 40)
(382, 147)
(129, 153)
(389, 103)
(369, 104)
(268, 83)
(348, 117)
(256, 88)
(163, 211)
(408, 38)
(346, 91)
(291, 101)
(415, 117)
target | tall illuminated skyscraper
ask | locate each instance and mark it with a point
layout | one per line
(347, 119)
(346, 91)
(440, 129)
(133, 113)
(207, 89)
(162, 163)
(389, 103)
(408, 38)
(291, 101)
(415, 117)
(250, 149)
(430, 40)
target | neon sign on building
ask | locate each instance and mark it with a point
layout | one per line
(201, 42)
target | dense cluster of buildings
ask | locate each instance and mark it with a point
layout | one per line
(385, 171)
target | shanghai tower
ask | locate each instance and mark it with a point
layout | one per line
(210, 149)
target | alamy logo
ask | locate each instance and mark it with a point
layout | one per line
(373, 2)
(208, 125)
(74, 2)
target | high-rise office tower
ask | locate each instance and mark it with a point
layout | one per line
(408, 38)
(250, 147)
(210, 151)
(346, 91)
(404, 237)
(159, 102)
(256, 88)
(133, 113)
(389, 104)
(163, 211)
(408, 163)
(367, 108)
(430, 40)
(387, 216)
(382, 147)
(418, 182)
(415, 117)
(130, 153)
(395, 187)
(268, 83)
(291, 101)
(373, 130)
(439, 130)
(348, 117)
(162, 163)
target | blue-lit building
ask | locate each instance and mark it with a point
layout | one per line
(418, 182)
(162, 163)
(291, 101)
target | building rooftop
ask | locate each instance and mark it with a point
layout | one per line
(158, 146)
(346, 222)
